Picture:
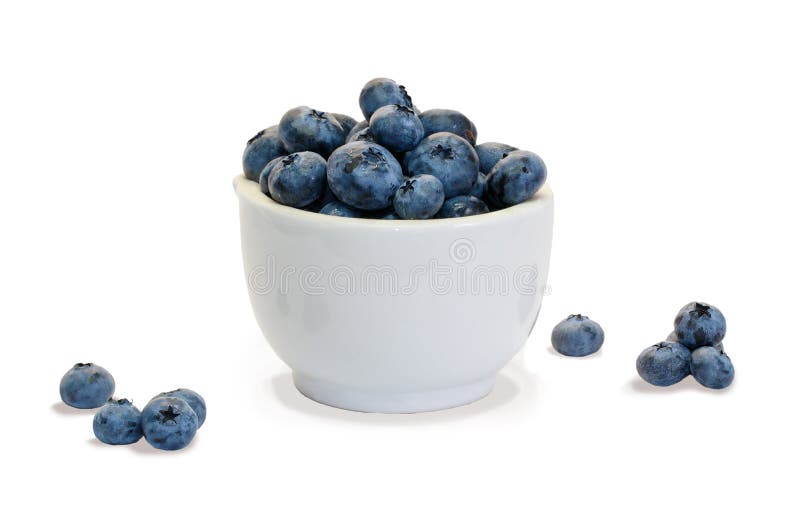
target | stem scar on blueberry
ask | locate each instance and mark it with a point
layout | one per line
(319, 115)
(289, 159)
(256, 136)
(408, 186)
(470, 136)
(578, 317)
(663, 345)
(702, 310)
(442, 152)
(169, 414)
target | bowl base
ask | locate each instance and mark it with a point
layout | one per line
(338, 396)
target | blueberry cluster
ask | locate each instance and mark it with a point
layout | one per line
(397, 163)
(577, 336)
(694, 347)
(169, 421)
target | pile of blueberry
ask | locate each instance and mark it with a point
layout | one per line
(694, 347)
(398, 163)
(169, 421)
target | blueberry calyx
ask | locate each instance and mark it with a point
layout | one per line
(404, 109)
(579, 317)
(319, 115)
(289, 159)
(408, 186)
(373, 157)
(701, 309)
(169, 414)
(525, 170)
(442, 152)
(82, 364)
(119, 401)
(256, 136)
(663, 345)
(405, 95)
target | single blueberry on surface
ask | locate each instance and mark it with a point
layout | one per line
(169, 423)
(382, 91)
(347, 122)
(86, 386)
(298, 179)
(261, 149)
(118, 422)
(364, 175)
(699, 324)
(516, 178)
(364, 124)
(711, 367)
(479, 187)
(577, 336)
(664, 364)
(447, 156)
(396, 127)
(419, 197)
(195, 400)
(337, 208)
(447, 120)
(489, 153)
(306, 129)
(460, 206)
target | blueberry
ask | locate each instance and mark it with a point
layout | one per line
(86, 386)
(364, 175)
(298, 179)
(195, 400)
(118, 422)
(699, 324)
(491, 152)
(263, 178)
(337, 208)
(396, 127)
(447, 156)
(379, 92)
(479, 187)
(306, 129)
(516, 178)
(419, 197)
(169, 423)
(364, 124)
(577, 336)
(363, 134)
(711, 367)
(439, 120)
(347, 122)
(459, 206)
(664, 364)
(260, 150)
(673, 337)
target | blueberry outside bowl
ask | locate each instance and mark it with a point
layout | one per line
(394, 315)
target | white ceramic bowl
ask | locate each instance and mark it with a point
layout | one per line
(394, 316)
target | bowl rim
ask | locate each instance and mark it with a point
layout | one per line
(251, 192)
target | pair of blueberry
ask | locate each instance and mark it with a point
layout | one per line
(693, 348)
(396, 163)
(169, 421)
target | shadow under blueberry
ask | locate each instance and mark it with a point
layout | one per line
(506, 391)
(552, 351)
(638, 385)
(142, 447)
(66, 410)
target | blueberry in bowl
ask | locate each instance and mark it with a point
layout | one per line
(409, 278)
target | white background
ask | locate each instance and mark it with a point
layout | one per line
(671, 136)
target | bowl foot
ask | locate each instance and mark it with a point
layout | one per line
(339, 396)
